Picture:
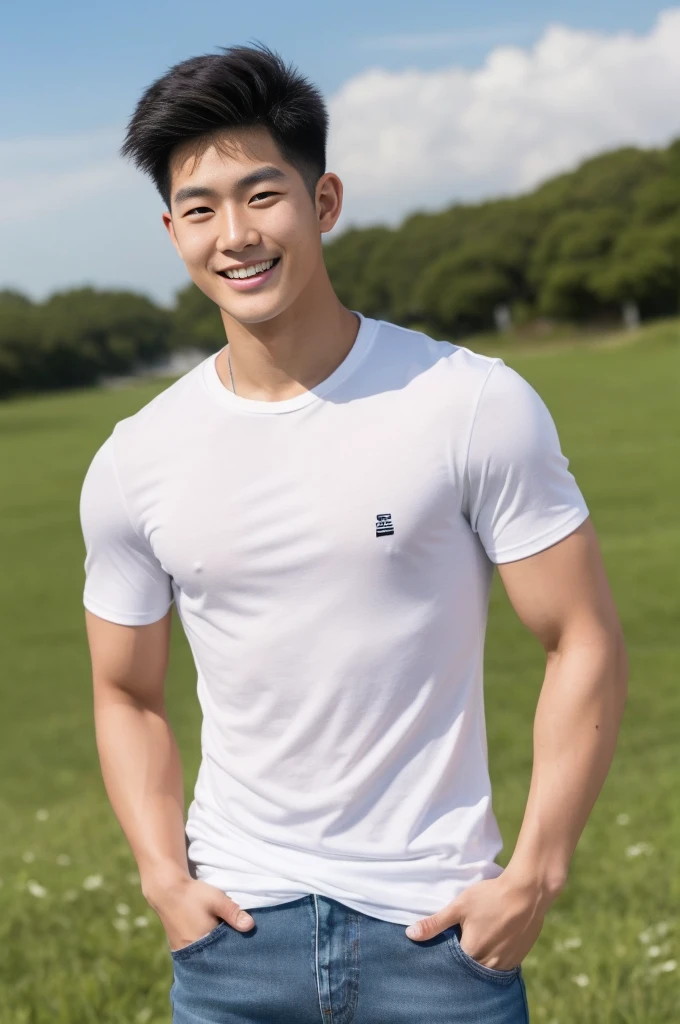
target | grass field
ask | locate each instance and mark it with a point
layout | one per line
(77, 941)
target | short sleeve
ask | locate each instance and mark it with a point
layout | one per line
(124, 581)
(520, 495)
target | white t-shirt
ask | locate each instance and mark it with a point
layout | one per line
(330, 558)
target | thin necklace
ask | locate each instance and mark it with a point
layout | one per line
(230, 372)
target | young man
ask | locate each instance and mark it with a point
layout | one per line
(324, 500)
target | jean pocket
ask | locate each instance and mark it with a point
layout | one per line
(194, 947)
(481, 970)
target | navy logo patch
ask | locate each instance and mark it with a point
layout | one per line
(383, 524)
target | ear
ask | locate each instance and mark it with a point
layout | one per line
(329, 193)
(167, 220)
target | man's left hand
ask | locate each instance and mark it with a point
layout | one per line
(500, 922)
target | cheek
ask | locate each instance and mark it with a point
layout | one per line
(195, 246)
(289, 230)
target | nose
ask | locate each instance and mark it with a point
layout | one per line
(236, 230)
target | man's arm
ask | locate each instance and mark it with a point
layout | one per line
(142, 773)
(562, 595)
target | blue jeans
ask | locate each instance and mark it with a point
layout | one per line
(314, 960)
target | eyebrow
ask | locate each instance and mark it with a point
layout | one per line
(203, 192)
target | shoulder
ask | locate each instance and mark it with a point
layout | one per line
(453, 361)
(414, 342)
(161, 420)
(140, 444)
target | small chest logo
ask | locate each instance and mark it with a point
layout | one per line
(383, 524)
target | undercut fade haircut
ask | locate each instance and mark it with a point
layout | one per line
(242, 87)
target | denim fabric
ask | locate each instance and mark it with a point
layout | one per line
(315, 960)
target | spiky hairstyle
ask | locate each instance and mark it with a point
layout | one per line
(242, 87)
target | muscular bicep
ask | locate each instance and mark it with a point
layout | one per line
(562, 593)
(130, 661)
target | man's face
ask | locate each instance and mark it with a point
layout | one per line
(254, 209)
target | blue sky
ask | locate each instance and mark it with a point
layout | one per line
(71, 73)
(78, 65)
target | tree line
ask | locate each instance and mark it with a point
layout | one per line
(580, 248)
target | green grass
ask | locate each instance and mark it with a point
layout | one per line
(62, 959)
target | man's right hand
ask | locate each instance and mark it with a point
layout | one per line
(190, 909)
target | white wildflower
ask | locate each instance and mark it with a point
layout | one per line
(663, 968)
(144, 1015)
(121, 923)
(573, 943)
(63, 860)
(28, 857)
(622, 819)
(93, 882)
(141, 921)
(70, 895)
(582, 980)
(36, 889)
(645, 936)
(42, 815)
(123, 909)
(653, 950)
(637, 848)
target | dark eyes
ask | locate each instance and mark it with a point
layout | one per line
(204, 209)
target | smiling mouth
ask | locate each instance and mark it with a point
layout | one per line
(255, 270)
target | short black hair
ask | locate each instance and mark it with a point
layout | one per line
(241, 87)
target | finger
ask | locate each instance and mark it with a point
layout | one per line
(430, 926)
(233, 915)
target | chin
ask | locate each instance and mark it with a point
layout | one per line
(254, 316)
(258, 311)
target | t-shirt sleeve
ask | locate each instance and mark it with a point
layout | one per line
(520, 495)
(124, 581)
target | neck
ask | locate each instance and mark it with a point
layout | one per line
(293, 352)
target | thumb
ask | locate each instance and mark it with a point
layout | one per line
(430, 926)
(233, 915)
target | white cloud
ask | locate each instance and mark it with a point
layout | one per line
(73, 212)
(34, 192)
(420, 139)
(40, 174)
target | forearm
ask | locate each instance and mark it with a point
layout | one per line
(142, 774)
(575, 732)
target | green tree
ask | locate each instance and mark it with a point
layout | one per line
(196, 321)
(19, 341)
(86, 333)
(568, 257)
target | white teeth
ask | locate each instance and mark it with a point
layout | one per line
(258, 268)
